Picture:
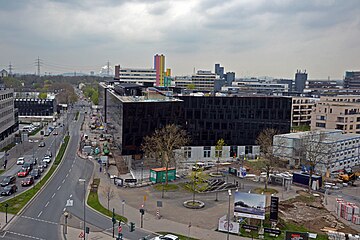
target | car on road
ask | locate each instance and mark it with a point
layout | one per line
(42, 144)
(55, 133)
(8, 190)
(47, 159)
(20, 161)
(166, 237)
(48, 153)
(8, 180)
(27, 181)
(35, 173)
(28, 165)
(23, 172)
(43, 165)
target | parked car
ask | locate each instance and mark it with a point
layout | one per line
(35, 173)
(27, 181)
(20, 161)
(23, 172)
(166, 237)
(42, 144)
(8, 180)
(48, 153)
(47, 159)
(8, 190)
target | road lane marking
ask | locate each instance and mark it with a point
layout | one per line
(63, 181)
(59, 187)
(47, 204)
(70, 170)
(39, 214)
(67, 175)
(53, 195)
(70, 195)
(40, 220)
(24, 235)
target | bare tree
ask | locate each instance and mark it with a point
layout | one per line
(109, 194)
(269, 151)
(162, 143)
(315, 150)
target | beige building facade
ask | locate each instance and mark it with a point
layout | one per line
(302, 108)
(337, 112)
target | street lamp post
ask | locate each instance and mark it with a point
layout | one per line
(228, 217)
(83, 181)
(66, 215)
(142, 170)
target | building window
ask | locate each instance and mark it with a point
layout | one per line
(207, 151)
(322, 125)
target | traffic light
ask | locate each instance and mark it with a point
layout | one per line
(142, 211)
(113, 219)
(132, 226)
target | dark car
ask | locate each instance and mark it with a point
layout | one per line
(42, 144)
(8, 190)
(27, 181)
(43, 165)
(28, 165)
(35, 173)
(8, 180)
(33, 161)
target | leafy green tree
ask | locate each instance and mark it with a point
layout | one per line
(198, 182)
(190, 86)
(218, 152)
(42, 95)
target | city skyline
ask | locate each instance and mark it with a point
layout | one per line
(251, 38)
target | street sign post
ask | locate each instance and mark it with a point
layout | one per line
(274, 208)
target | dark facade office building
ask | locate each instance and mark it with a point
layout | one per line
(35, 106)
(238, 120)
(300, 80)
(352, 79)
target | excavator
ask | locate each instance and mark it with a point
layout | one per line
(348, 176)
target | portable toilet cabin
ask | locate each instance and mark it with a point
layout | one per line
(158, 175)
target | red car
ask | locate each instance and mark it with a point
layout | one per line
(23, 172)
(27, 181)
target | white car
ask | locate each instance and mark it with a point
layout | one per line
(20, 161)
(47, 159)
(166, 237)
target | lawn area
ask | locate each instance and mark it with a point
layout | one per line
(2, 171)
(93, 201)
(262, 190)
(35, 132)
(8, 147)
(169, 187)
(18, 202)
(181, 237)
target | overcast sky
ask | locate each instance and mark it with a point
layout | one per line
(249, 37)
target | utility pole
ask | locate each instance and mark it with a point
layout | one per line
(38, 63)
(11, 68)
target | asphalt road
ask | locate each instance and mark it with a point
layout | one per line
(42, 218)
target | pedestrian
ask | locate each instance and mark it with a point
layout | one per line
(100, 169)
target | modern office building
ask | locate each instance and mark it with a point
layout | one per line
(302, 108)
(337, 112)
(141, 76)
(9, 123)
(204, 80)
(352, 79)
(342, 150)
(300, 80)
(237, 119)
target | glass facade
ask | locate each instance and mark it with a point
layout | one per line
(35, 107)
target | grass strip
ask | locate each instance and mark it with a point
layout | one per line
(36, 131)
(169, 187)
(2, 171)
(16, 203)
(77, 116)
(93, 201)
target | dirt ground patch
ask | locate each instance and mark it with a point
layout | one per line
(307, 210)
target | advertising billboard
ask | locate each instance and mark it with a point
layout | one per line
(296, 236)
(223, 226)
(274, 208)
(249, 205)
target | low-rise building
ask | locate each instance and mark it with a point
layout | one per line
(342, 150)
(302, 110)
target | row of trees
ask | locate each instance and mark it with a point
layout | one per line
(311, 149)
(92, 92)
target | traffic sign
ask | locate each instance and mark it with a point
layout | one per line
(119, 229)
(69, 203)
